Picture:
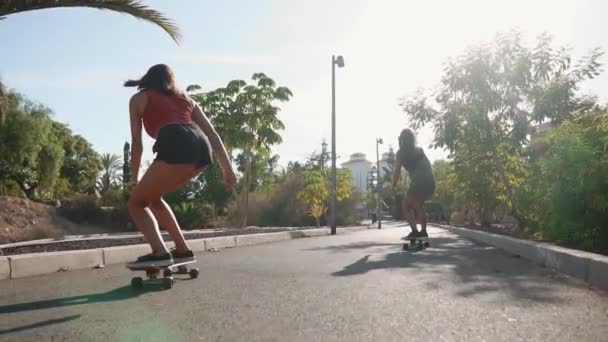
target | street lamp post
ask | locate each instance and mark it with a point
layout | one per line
(378, 184)
(339, 61)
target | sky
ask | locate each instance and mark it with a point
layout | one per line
(75, 60)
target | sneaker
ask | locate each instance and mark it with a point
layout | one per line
(423, 235)
(413, 234)
(182, 257)
(152, 260)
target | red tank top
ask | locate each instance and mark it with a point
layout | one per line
(162, 110)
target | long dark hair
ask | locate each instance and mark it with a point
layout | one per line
(159, 77)
(407, 140)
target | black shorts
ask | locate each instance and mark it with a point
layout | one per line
(183, 144)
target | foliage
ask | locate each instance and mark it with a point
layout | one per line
(110, 164)
(316, 192)
(193, 215)
(41, 156)
(131, 7)
(487, 101)
(567, 194)
(248, 119)
(126, 164)
(81, 165)
(263, 168)
(214, 191)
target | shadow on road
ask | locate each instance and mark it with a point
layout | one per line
(121, 293)
(477, 269)
(39, 324)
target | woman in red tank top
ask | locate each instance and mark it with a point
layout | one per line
(186, 143)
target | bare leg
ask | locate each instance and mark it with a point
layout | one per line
(407, 212)
(158, 180)
(146, 223)
(420, 214)
(167, 220)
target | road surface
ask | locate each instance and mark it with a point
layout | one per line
(354, 287)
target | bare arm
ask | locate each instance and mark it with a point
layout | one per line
(219, 151)
(135, 111)
(396, 171)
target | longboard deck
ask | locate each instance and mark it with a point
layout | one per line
(153, 272)
(158, 268)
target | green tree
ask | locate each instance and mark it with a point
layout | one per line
(81, 165)
(488, 99)
(25, 146)
(214, 191)
(263, 168)
(110, 164)
(126, 165)
(445, 191)
(567, 193)
(315, 191)
(259, 123)
(247, 119)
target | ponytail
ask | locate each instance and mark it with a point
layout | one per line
(133, 83)
(160, 77)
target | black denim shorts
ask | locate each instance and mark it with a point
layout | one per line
(183, 144)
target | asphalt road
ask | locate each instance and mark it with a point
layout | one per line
(355, 287)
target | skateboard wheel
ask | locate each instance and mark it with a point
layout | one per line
(167, 283)
(194, 273)
(137, 283)
(167, 273)
(426, 244)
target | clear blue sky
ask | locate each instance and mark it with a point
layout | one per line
(75, 60)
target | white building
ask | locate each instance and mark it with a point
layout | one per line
(359, 167)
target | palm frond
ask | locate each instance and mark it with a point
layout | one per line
(131, 7)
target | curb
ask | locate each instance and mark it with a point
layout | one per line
(26, 265)
(589, 267)
(5, 268)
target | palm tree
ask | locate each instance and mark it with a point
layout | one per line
(110, 164)
(131, 7)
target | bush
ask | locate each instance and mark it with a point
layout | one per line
(567, 197)
(279, 206)
(82, 209)
(193, 215)
(85, 209)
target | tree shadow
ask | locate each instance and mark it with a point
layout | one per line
(40, 324)
(477, 269)
(121, 293)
